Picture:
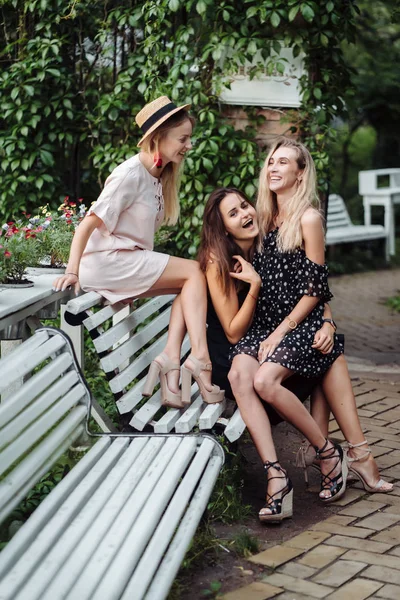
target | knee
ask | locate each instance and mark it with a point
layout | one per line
(265, 387)
(239, 380)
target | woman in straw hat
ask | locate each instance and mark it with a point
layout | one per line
(112, 250)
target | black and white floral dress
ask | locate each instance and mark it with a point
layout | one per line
(286, 277)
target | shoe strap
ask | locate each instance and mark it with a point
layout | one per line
(358, 458)
(199, 366)
(166, 364)
(357, 445)
(324, 450)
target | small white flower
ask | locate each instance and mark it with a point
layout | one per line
(5, 227)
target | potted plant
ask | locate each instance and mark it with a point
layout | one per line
(56, 231)
(19, 248)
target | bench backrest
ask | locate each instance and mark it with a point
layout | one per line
(338, 215)
(42, 418)
(127, 340)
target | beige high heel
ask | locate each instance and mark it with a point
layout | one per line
(305, 459)
(212, 396)
(159, 368)
(378, 487)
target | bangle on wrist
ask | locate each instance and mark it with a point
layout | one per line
(254, 297)
(331, 323)
(69, 273)
(291, 323)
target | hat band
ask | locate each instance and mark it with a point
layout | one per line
(161, 112)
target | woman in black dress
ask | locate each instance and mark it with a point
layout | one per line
(289, 313)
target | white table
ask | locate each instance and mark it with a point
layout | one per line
(387, 196)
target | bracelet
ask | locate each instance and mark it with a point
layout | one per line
(331, 323)
(248, 293)
(69, 273)
(292, 323)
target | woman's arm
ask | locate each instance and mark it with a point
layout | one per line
(234, 320)
(79, 241)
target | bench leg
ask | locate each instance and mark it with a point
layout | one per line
(75, 333)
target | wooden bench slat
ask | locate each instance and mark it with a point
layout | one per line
(190, 417)
(49, 505)
(81, 303)
(29, 470)
(210, 415)
(169, 567)
(36, 430)
(31, 570)
(29, 361)
(153, 554)
(33, 387)
(104, 554)
(130, 550)
(35, 409)
(127, 349)
(235, 427)
(74, 563)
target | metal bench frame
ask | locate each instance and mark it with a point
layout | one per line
(119, 524)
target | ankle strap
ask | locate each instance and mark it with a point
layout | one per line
(357, 445)
(272, 465)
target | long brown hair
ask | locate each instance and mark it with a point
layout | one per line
(215, 244)
(171, 174)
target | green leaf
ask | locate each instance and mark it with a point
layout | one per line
(14, 93)
(275, 19)
(330, 6)
(207, 164)
(201, 7)
(198, 186)
(173, 5)
(307, 12)
(324, 40)
(317, 93)
(293, 13)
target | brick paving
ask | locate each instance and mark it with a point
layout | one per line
(354, 554)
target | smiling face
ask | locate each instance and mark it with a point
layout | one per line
(176, 142)
(283, 172)
(239, 218)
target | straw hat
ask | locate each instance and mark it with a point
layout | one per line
(153, 114)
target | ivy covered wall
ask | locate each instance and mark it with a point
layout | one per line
(74, 75)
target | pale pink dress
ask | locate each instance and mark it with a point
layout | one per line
(119, 261)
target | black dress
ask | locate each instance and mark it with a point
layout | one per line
(286, 277)
(219, 348)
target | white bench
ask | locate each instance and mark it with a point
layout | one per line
(118, 525)
(126, 341)
(340, 229)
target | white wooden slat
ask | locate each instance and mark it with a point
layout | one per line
(15, 584)
(127, 349)
(96, 319)
(120, 381)
(35, 431)
(44, 401)
(75, 564)
(47, 508)
(42, 584)
(145, 414)
(190, 417)
(88, 300)
(33, 387)
(131, 549)
(169, 567)
(27, 348)
(167, 421)
(114, 334)
(150, 559)
(210, 414)
(133, 396)
(26, 470)
(20, 368)
(97, 566)
(235, 428)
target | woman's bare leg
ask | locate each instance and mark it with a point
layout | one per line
(176, 333)
(320, 409)
(267, 384)
(241, 377)
(186, 275)
(339, 393)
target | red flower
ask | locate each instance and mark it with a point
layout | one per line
(7, 254)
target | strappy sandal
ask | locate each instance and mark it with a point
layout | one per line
(305, 459)
(336, 485)
(282, 507)
(212, 396)
(376, 488)
(159, 368)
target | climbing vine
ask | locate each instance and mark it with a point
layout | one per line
(74, 75)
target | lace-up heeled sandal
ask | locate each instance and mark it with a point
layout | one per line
(282, 507)
(379, 486)
(305, 459)
(336, 484)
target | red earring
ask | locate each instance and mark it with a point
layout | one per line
(157, 160)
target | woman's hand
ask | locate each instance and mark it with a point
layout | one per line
(65, 281)
(324, 339)
(268, 346)
(245, 271)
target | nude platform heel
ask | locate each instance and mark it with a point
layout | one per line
(159, 368)
(212, 396)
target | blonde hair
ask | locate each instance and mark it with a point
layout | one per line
(172, 172)
(289, 234)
